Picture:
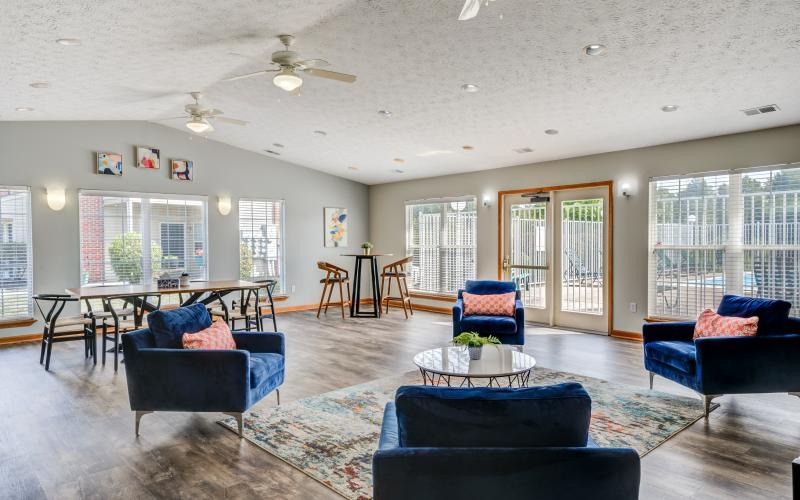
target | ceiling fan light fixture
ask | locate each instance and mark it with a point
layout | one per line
(287, 80)
(199, 125)
(594, 49)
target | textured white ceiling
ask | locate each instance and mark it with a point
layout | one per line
(712, 58)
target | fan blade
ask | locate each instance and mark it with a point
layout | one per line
(312, 63)
(332, 75)
(214, 112)
(470, 10)
(232, 121)
(170, 118)
(248, 75)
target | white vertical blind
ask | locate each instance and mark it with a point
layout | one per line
(725, 232)
(130, 238)
(440, 237)
(261, 254)
(16, 264)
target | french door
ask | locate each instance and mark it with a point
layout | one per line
(554, 249)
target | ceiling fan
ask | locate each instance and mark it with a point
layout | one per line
(289, 64)
(199, 118)
(471, 8)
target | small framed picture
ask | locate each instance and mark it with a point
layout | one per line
(147, 157)
(109, 163)
(182, 170)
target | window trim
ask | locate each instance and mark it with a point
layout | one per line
(31, 319)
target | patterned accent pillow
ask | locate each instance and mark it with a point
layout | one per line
(711, 324)
(216, 336)
(501, 304)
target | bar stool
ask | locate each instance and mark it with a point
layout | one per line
(129, 318)
(397, 270)
(59, 328)
(335, 274)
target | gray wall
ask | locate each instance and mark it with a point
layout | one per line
(61, 154)
(630, 215)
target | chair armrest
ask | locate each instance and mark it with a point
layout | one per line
(519, 311)
(674, 330)
(458, 310)
(390, 434)
(260, 342)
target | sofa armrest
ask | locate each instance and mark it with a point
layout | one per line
(673, 330)
(390, 434)
(519, 312)
(261, 342)
(458, 311)
(188, 380)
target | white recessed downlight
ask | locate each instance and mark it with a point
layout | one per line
(320, 132)
(24, 108)
(272, 152)
(353, 167)
(594, 49)
(40, 85)
(470, 88)
(385, 113)
(399, 171)
(467, 147)
(551, 131)
(277, 144)
(399, 160)
(669, 108)
(68, 41)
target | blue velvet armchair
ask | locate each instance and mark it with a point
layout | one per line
(714, 366)
(533, 442)
(164, 377)
(510, 330)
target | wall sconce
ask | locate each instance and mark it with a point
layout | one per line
(626, 190)
(56, 198)
(224, 205)
(487, 201)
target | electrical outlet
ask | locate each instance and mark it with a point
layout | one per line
(294, 288)
(632, 307)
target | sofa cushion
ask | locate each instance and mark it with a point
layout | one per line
(772, 314)
(216, 336)
(169, 326)
(489, 325)
(556, 415)
(485, 287)
(494, 304)
(675, 353)
(711, 324)
(264, 365)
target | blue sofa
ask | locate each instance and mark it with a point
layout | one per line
(766, 362)
(510, 330)
(164, 377)
(533, 442)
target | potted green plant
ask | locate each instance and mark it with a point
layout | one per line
(366, 247)
(474, 343)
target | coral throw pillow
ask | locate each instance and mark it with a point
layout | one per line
(216, 336)
(501, 304)
(711, 324)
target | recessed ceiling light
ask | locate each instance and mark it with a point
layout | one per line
(272, 152)
(468, 148)
(320, 132)
(385, 113)
(470, 87)
(669, 108)
(399, 171)
(434, 152)
(277, 144)
(25, 108)
(399, 160)
(353, 167)
(594, 49)
(551, 131)
(40, 85)
(523, 150)
(69, 41)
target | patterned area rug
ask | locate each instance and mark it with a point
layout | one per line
(332, 436)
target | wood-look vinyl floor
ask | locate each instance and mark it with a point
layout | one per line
(69, 433)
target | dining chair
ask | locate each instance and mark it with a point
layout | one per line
(58, 328)
(265, 303)
(128, 318)
(243, 309)
(397, 271)
(334, 275)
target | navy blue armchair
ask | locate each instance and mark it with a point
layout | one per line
(510, 330)
(714, 366)
(175, 379)
(441, 442)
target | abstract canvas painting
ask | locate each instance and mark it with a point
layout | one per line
(109, 163)
(182, 170)
(147, 157)
(335, 227)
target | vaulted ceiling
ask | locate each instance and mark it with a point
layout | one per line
(138, 59)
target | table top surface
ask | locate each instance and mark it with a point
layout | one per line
(372, 254)
(94, 292)
(498, 360)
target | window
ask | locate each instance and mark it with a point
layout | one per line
(724, 232)
(16, 264)
(116, 226)
(440, 237)
(261, 241)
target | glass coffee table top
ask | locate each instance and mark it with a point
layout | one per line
(497, 361)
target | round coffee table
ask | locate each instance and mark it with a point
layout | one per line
(500, 366)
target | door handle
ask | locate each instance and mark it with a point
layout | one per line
(506, 263)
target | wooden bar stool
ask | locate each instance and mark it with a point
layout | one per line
(335, 275)
(397, 271)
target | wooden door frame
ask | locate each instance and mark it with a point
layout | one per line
(609, 263)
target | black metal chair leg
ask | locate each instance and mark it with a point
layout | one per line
(116, 350)
(44, 346)
(103, 342)
(49, 350)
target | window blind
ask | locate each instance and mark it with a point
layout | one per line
(261, 253)
(131, 238)
(16, 263)
(734, 232)
(440, 238)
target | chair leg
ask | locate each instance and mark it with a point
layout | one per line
(49, 351)
(139, 415)
(341, 297)
(707, 399)
(402, 296)
(103, 341)
(330, 294)
(278, 393)
(116, 350)
(408, 296)
(44, 345)
(652, 376)
(322, 297)
(383, 293)
(274, 320)
(239, 420)
(796, 394)
(93, 341)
